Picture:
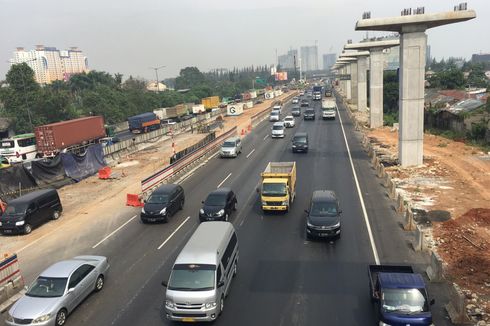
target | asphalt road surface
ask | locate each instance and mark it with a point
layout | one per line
(283, 279)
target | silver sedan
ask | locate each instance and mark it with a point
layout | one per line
(58, 291)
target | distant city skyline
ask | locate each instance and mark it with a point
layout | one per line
(212, 33)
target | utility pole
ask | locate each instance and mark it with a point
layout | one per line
(156, 75)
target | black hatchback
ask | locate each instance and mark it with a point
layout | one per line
(323, 220)
(218, 206)
(165, 201)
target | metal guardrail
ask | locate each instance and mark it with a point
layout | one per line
(168, 171)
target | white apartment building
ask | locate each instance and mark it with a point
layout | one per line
(50, 64)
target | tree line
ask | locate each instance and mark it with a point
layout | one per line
(29, 104)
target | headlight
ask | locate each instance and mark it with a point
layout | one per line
(169, 304)
(0, 223)
(264, 203)
(285, 203)
(41, 319)
(336, 225)
(383, 324)
(294, 146)
(221, 212)
(210, 305)
(143, 210)
(19, 223)
(163, 211)
(309, 225)
(201, 211)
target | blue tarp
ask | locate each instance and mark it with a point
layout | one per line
(79, 167)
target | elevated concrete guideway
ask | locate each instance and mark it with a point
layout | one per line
(376, 68)
(413, 43)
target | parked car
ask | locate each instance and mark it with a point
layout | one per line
(300, 142)
(309, 114)
(289, 121)
(218, 206)
(278, 130)
(231, 147)
(107, 141)
(164, 202)
(275, 116)
(168, 122)
(323, 219)
(30, 210)
(58, 291)
(296, 111)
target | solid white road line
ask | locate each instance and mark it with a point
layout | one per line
(253, 150)
(364, 211)
(229, 175)
(173, 233)
(113, 232)
(266, 136)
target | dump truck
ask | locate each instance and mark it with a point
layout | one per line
(143, 122)
(278, 186)
(68, 135)
(400, 295)
(210, 102)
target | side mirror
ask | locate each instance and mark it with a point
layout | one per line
(70, 290)
(307, 211)
(340, 211)
(145, 201)
(432, 302)
(220, 284)
(26, 288)
(202, 202)
(164, 284)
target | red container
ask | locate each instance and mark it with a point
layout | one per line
(52, 138)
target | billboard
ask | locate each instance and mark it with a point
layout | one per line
(281, 76)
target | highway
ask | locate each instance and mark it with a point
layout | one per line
(283, 279)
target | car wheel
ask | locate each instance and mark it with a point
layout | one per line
(27, 228)
(182, 201)
(221, 304)
(61, 317)
(56, 215)
(99, 283)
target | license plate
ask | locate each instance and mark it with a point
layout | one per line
(7, 231)
(188, 320)
(152, 219)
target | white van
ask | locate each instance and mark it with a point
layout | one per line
(19, 148)
(278, 130)
(202, 273)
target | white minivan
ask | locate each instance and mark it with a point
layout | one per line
(278, 130)
(202, 273)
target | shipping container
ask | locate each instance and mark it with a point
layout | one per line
(54, 137)
(210, 102)
(198, 109)
(234, 109)
(143, 122)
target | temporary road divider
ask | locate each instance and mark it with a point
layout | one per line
(105, 173)
(133, 200)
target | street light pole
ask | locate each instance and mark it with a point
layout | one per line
(156, 75)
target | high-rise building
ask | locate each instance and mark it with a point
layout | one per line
(329, 60)
(288, 61)
(482, 57)
(309, 58)
(50, 64)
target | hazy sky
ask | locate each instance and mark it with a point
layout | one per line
(129, 36)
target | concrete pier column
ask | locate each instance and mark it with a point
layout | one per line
(362, 83)
(413, 44)
(348, 87)
(353, 82)
(376, 88)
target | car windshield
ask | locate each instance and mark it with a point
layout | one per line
(16, 209)
(301, 140)
(407, 301)
(288, 119)
(277, 127)
(229, 144)
(158, 199)
(275, 113)
(7, 144)
(274, 189)
(310, 112)
(47, 287)
(323, 209)
(191, 277)
(215, 200)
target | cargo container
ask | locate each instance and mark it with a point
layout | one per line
(198, 109)
(171, 113)
(68, 135)
(143, 122)
(210, 102)
(234, 109)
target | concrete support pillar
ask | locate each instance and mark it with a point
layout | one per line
(413, 44)
(376, 88)
(353, 82)
(348, 88)
(362, 83)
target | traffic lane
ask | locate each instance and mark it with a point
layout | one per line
(393, 243)
(146, 307)
(138, 260)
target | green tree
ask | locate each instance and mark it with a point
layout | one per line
(189, 77)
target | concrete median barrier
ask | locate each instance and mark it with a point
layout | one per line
(456, 308)
(420, 243)
(435, 269)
